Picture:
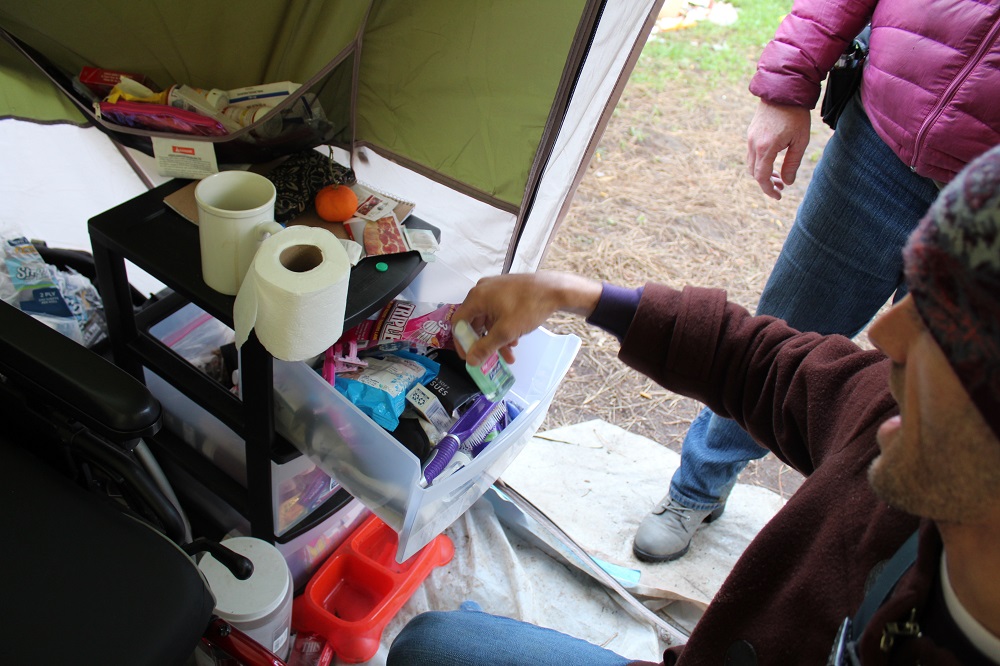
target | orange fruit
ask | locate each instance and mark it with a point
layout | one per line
(336, 203)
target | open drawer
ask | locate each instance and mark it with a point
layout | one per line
(381, 473)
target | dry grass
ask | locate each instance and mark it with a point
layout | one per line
(668, 199)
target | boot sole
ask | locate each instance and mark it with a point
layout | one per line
(650, 557)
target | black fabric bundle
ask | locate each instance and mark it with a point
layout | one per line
(300, 177)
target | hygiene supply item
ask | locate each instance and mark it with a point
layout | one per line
(261, 605)
(426, 404)
(244, 116)
(493, 377)
(379, 389)
(295, 293)
(25, 283)
(467, 435)
(453, 386)
(401, 324)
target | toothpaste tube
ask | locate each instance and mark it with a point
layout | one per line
(101, 81)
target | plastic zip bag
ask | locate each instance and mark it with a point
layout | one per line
(27, 285)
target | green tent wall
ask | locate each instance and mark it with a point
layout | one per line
(485, 113)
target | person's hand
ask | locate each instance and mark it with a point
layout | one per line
(776, 128)
(509, 306)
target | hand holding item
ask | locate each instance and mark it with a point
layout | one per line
(776, 128)
(509, 306)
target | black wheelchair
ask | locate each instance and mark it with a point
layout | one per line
(97, 561)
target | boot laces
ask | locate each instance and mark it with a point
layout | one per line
(679, 510)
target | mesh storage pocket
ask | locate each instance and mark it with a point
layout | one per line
(317, 113)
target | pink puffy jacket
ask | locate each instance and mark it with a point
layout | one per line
(931, 85)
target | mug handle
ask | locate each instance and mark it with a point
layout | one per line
(249, 245)
(266, 229)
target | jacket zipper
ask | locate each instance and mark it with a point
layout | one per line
(973, 62)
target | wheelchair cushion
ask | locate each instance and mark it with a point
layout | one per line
(84, 583)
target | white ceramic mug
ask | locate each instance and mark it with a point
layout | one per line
(235, 213)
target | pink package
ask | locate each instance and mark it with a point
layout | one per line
(162, 118)
(405, 325)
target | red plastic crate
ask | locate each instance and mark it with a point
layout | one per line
(361, 587)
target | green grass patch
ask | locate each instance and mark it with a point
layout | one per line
(714, 54)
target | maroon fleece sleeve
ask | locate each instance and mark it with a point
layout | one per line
(791, 391)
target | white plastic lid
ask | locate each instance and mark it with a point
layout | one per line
(256, 597)
(464, 334)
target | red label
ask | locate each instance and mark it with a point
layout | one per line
(184, 150)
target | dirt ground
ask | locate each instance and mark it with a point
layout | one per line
(668, 199)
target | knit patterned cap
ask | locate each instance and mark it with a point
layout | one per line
(952, 267)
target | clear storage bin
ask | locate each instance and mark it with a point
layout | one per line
(376, 469)
(308, 551)
(298, 487)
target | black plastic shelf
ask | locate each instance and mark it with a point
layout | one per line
(150, 235)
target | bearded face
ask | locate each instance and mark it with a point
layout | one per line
(939, 458)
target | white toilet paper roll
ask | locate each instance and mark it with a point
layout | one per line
(295, 293)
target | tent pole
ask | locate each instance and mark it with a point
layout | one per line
(132, 163)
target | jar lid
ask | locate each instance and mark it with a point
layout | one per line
(257, 596)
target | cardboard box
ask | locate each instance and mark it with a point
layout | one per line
(101, 81)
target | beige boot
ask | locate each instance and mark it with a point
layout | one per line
(666, 533)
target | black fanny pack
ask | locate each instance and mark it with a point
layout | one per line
(845, 78)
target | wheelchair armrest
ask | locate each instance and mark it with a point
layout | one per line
(79, 382)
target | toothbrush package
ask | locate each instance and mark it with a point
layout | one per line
(469, 435)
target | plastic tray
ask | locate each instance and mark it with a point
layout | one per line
(361, 587)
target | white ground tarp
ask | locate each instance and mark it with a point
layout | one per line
(596, 481)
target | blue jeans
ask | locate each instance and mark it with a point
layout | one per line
(840, 263)
(471, 637)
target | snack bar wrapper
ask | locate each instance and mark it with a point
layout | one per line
(416, 327)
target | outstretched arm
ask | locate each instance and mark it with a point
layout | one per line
(509, 306)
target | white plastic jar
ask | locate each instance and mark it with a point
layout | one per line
(261, 605)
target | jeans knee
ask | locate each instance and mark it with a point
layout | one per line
(413, 644)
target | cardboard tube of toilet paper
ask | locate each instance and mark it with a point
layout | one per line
(295, 293)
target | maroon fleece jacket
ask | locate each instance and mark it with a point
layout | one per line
(816, 402)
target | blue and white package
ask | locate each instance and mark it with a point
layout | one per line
(379, 390)
(27, 285)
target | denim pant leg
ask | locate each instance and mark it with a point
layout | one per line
(842, 260)
(470, 638)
